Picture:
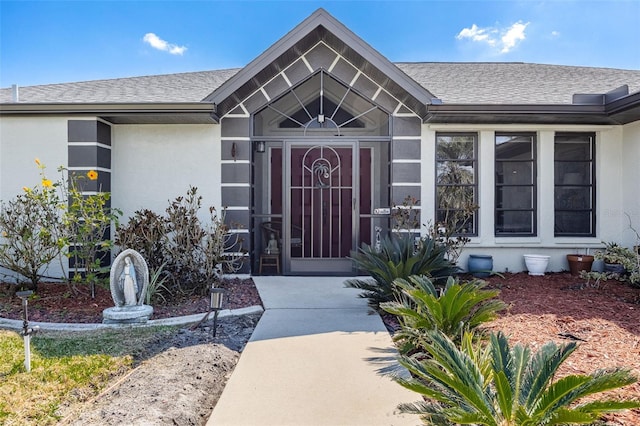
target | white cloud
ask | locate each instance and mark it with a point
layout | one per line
(513, 35)
(157, 43)
(504, 39)
(555, 33)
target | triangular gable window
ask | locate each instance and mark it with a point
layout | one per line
(321, 106)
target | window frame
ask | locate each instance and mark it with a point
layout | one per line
(592, 185)
(475, 184)
(533, 185)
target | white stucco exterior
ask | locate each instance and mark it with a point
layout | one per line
(23, 139)
(152, 164)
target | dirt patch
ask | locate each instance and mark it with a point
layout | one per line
(178, 380)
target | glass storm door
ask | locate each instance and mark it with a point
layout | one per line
(322, 205)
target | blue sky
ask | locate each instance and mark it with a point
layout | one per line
(45, 42)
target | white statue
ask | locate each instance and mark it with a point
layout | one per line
(129, 279)
(272, 247)
(128, 283)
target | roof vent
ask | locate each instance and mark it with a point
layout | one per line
(15, 93)
(601, 99)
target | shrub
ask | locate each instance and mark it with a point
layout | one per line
(398, 257)
(32, 230)
(188, 253)
(517, 389)
(459, 308)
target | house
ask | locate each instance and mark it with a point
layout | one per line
(320, 136)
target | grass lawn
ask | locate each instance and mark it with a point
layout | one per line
(66, 368)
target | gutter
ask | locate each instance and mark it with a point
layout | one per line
(205, 111)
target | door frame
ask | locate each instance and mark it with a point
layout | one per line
(314, 266)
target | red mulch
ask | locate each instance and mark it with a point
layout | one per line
(60, 303)
(549, 307)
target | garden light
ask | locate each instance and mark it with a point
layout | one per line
(216, 305)
(26, 330)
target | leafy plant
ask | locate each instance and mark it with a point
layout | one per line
(192, 253)
(458, 308)
(398, 257)
(518, 389)
(616, 254)
(88, 220)
(32, 230)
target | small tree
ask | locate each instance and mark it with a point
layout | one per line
(32, 230)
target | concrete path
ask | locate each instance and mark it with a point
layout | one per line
(314, 359)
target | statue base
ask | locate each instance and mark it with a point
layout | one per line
(138, 314)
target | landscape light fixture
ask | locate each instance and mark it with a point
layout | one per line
(26, 330)
(216, 305)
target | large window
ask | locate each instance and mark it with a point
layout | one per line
(574, 189)
(515, 180)
(456, 182)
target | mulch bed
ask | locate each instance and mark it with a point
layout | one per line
(604, 321)
(56, 302)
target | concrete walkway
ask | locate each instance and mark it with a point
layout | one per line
(313, 359)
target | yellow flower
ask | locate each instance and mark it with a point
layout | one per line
(26, 189)
(92, 175)
(38, 161)
(46, 183)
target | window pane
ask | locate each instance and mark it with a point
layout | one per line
(514, 147)
(574, 194)
(514, 197)
(572, 151)
(456, 188)
(465, 224)
(450, 147)
(573, 198)
(572, 173)
(455, 197)
(455, 173)
(514, 173)
(514, 222)
(574, 223)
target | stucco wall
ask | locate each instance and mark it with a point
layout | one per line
(22, 139)
(631, 180)
(152, 164)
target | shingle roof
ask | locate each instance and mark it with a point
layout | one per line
(453, 83)
(169, 88)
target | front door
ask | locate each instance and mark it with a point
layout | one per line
(323, 207)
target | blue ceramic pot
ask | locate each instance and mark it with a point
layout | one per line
(480, 265)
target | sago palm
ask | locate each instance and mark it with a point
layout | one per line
(519, 391)
(421, 308)
(398, 257)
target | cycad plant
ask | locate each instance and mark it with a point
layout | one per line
(520, 389)
(398, 257)
(421, 308)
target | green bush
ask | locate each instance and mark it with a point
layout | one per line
(517, 389)
(398, 257)
(422, 308)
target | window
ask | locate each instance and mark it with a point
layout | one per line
(456, 182)
(574, 185)
(515, 184)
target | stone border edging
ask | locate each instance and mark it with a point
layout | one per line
(188, 319)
